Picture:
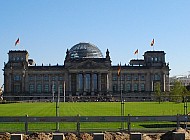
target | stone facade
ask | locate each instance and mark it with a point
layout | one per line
(84, 76)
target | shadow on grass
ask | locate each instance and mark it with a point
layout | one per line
(161, 125)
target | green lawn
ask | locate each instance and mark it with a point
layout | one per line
(88, 109)
(92, 109)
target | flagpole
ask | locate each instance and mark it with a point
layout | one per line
(152, 44)
(122, 102)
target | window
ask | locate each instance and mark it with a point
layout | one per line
(39, 88)
(122, 87)
(38, 77)
(46, 88)
(114, 77)
(159, 59)
(128, 77)
(17, 88)
(46, 78)
(114, 88)
(17, 78)
(142, 77)
(156, 77)
(54, 87)
(122, 77)
(61, 88)
(142, 87)
(136, 77)
(31, 88)
(135, 87)
(31, 78)
(53, 78)
(60, 78)
(128, 87)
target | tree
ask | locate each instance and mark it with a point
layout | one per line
(178, 91)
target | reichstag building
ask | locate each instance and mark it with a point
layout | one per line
(85, 72)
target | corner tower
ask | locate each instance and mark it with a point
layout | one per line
(15, 72)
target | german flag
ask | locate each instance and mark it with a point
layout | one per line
(119, 70)
(17, 41)
(152, 43)
(136, 52)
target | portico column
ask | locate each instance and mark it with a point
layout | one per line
(107, 78)
(152, 81)
(164, 82)
(110, 83)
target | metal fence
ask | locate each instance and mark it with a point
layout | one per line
(55, 118)
(26, 121)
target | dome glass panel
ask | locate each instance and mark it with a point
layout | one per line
(85, 50)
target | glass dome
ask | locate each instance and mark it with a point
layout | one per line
(85, 50)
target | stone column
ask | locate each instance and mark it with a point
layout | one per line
(110, 83)
(164, 82)
(152, 81)
(107, 82)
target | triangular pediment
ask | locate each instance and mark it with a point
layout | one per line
(88, 64)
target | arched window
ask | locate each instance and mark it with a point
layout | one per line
(156, 77)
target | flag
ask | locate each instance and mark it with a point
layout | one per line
(136, 52)
(152, 43)
(17, 41)
(119, 70)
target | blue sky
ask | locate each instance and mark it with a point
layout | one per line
(46, 29)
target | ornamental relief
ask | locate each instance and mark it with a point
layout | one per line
(88, 65)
